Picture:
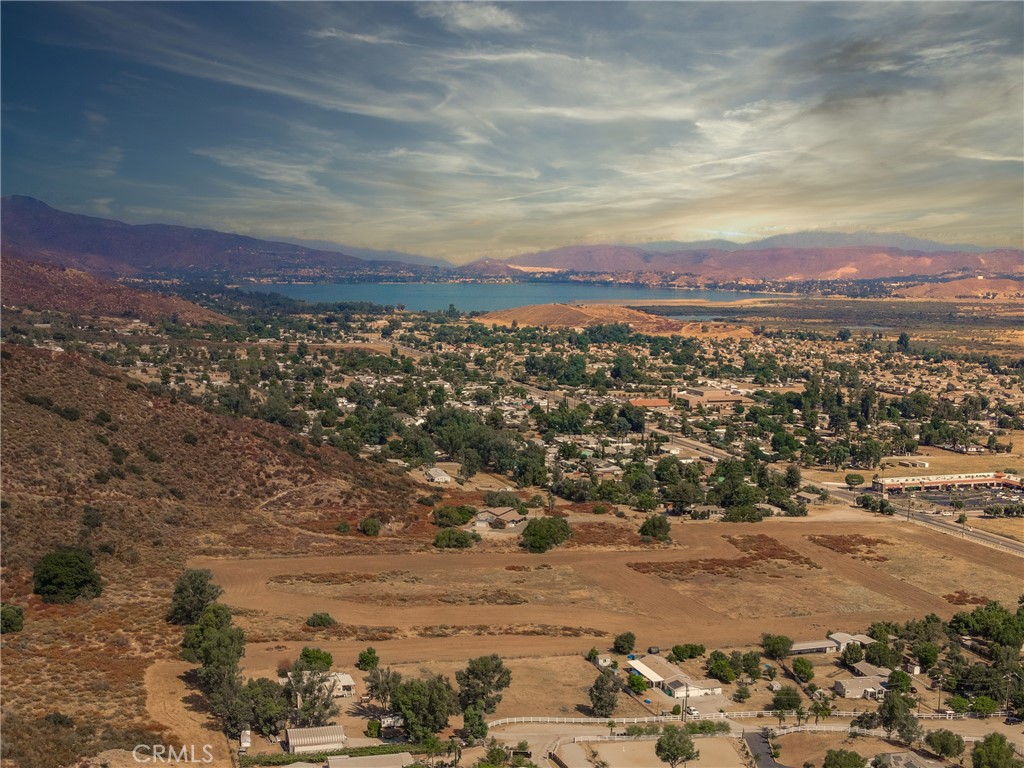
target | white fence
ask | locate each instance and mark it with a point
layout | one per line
(766, 714)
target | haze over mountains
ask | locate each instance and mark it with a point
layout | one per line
(102, 246)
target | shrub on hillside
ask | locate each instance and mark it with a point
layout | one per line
(66, 574)
(321, 620)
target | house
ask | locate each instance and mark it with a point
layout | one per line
(323, 739)
(437, 475)
(662, 674)
(843, 640)
(603, 661)
(499, 517)
(808, 498)
(861, 687)
(828, 645)
(396, 760)
(867, 669)
(340, 684)
(774, 686)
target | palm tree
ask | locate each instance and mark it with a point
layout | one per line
(821, 709)
(781, 714)
(801, 714)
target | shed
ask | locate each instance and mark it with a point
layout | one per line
(322, 739)
(244, 741)
(437, 475)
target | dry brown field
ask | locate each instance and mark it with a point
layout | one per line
(803, 748)
(714, 753)
(719, 584)
(1010, 527)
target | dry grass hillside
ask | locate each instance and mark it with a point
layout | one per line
(161, 481)
(583, 315)
(969, 287)
(41, 286)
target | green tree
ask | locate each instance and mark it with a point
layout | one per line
(481, 682)
(381, 685)
(624, 643)
(945, 743)
(12, 618)
(821, 709)
(958, 704)
(316, 659)
(311, 693)
(604, 694)
(894, 713)
(853, 480)
(927, 654)
(786, 698)
(543, 533)
(803, 670)
(843, 758)
(267, 705)
(473, 723)
(984, 706)
(657, 527)
(776, 646)
(426, 705)
(66, 574)
(994, 751)
(193, 591)
(637, 683)
(212, 641)
(899, 681)
(368, 659)
(675, 746)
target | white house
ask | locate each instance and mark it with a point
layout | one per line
(662, 674)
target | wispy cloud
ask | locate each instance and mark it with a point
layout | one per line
(472, 16)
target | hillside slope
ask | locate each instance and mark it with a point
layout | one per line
(44, 287)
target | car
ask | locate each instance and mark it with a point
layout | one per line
(913, 689)
(1012, 720)
(692, 712)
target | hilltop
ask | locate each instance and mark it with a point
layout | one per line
(970, 287)
(43, 287)
(583, 315)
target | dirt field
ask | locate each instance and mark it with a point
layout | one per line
(171, 702)
(803, 748)
(714, 753)
(448, 607)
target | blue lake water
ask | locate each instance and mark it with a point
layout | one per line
(485, 296)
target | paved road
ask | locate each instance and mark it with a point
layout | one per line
(761, 750)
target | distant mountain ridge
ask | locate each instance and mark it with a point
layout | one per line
(816, 240)
(111, 247)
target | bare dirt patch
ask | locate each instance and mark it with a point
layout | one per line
(963, 597)
(171, 702)
(757, 549)
(861, 547)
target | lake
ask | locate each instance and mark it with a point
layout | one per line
(485, 297)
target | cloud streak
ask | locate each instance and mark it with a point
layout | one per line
(465, 130)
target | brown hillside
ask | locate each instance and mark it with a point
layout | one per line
(76, 432)
(583, 315)
(161, 481)
(42, 287)
(970, 287)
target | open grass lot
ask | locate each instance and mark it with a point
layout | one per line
(1011, 528)
(803, 748)
(720, 584)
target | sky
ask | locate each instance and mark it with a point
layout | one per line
(473, 130)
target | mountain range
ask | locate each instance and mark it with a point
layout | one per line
(112, 248)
